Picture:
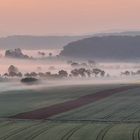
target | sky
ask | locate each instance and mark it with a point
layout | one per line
(68, 17)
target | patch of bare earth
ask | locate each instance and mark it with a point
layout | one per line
(56, 109)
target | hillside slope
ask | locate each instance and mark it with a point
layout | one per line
(104, 47)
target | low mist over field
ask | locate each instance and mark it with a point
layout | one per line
(38, 66)
(71, 63)
(54, 64)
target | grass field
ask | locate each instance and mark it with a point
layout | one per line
(115, 117)
(29, 130)
(18, 101)
(123, 106)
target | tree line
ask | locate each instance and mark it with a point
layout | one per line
(77, 72)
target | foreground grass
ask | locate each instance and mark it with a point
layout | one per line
(31, 130)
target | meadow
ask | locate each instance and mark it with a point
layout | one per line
(15, 101)
(39, 130)
(116, 116)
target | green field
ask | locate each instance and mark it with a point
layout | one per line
(124, 106)
(113, 118)
(14, 102)
(29, 130)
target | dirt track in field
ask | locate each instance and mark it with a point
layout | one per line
(46, 112)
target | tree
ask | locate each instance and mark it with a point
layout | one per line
(48, 74)
(50, 54)
(41, 74)
(102, 73)
(63, 73)
(27, 75)
(138, 72)
(74, 64)
(19, 74)
(6, 75)
(12, 68)
(13, 71)
(75, 73)
(41, 53)
(98, 72)
(82, 72)
(79, 72)
(126, 73)
(88, 72)
(33, 74)
(29, 80)
(16, 53)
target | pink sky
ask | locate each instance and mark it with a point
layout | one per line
(49, 17)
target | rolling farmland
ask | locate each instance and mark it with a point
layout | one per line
(107, 112)
(123, 106)
(67, 130)
(17, 101)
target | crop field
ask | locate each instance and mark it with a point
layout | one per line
(18, 101)
(123, 106)
(86, 112)
(30, 130)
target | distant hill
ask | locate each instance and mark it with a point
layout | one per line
(37, 42)
(49, 42)
(115, 47)
(125, 33)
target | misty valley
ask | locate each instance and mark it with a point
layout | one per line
(69, 70)
(49, 65)
(86, 88)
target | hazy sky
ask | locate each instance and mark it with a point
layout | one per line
(45, 17)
